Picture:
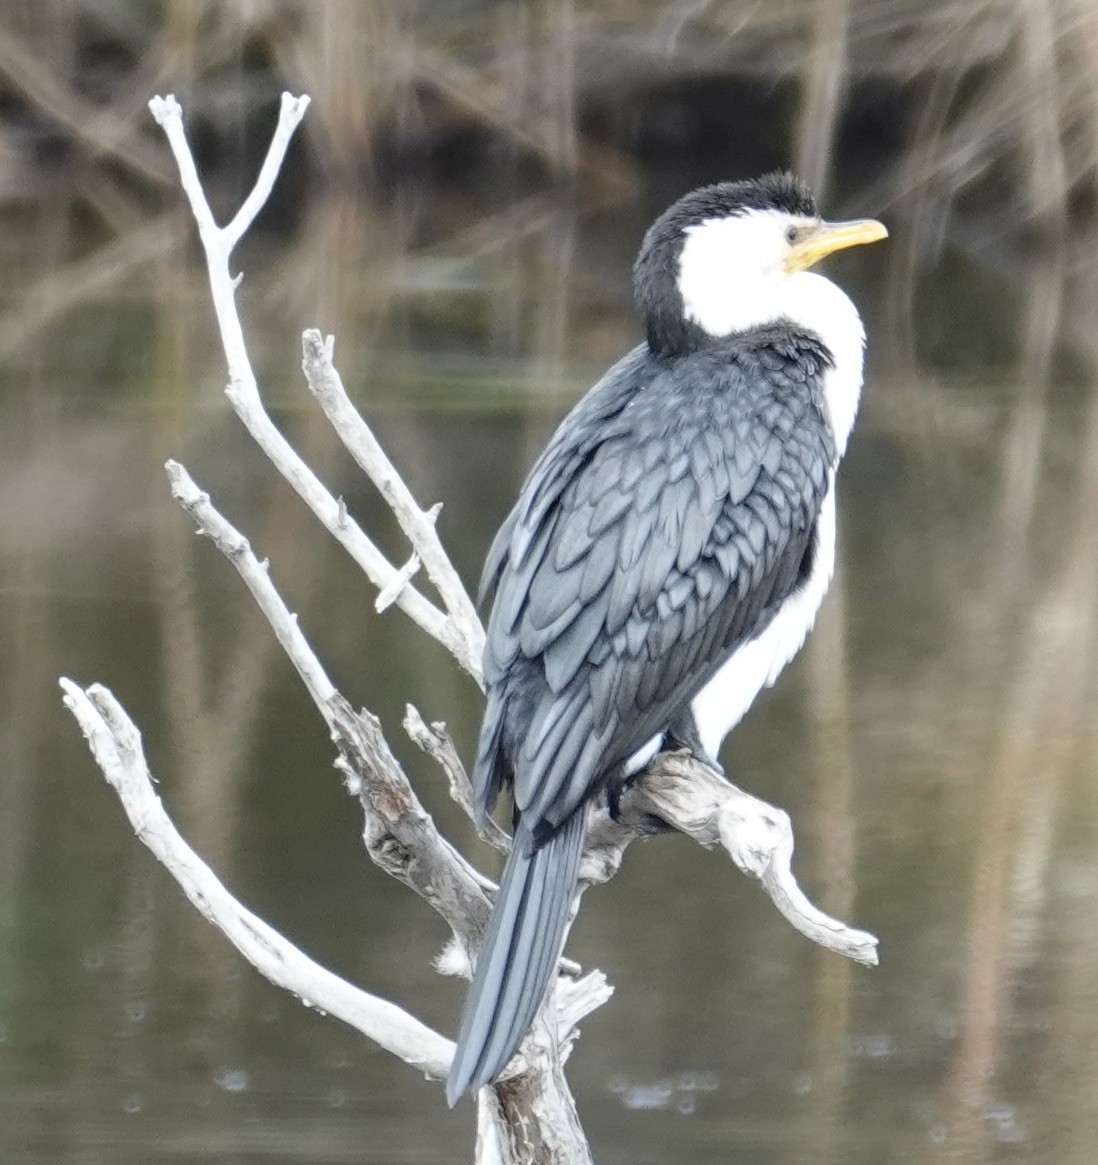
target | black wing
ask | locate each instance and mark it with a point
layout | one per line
(664, 525)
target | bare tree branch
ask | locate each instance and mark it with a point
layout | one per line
(243, 391)
(400, 835)
(577, 998)
(102, 129)
(678, 790)
(116, 746)
(326, 385)
(437, 742)
(255, 574)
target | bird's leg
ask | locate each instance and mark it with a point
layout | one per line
(681, 736)
(619, 783)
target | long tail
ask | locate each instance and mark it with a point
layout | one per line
(519, 955)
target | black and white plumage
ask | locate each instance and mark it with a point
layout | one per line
(666, 557)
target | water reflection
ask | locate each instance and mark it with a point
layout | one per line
(936, 743)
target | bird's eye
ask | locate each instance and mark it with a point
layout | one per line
(792, 234)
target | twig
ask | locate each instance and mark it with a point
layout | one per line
(400, 835)
(681, 791)
(387, 596)
(116, 745)
(243, 390)
(255, 574)
(436, 741)
(326, 385)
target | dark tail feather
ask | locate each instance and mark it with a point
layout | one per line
(519, 954)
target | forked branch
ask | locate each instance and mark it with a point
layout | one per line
(243, 390)
(116, 745)
(400, 835)
(326, 385)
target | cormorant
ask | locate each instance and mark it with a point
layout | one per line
(666, 557)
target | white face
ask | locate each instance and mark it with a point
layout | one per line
(748, 271)
(732, 272)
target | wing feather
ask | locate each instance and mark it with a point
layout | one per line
(663, 526)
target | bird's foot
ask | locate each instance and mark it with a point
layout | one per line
(614, 793)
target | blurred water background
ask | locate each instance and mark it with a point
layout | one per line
(461, 208)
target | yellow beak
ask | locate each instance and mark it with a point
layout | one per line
(833, 236)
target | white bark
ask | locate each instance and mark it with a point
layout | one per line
(326, 385)
(243, 390)
(435, 740)
(680, 791)
(400, 835)
(116, 745)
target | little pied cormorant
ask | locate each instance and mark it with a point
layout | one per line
(666, 557)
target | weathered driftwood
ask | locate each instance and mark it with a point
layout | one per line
(528, 1116)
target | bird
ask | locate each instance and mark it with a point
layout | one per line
(665, 559)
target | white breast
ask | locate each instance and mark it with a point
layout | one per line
(722, 703)
(751, 246)
(818, 305)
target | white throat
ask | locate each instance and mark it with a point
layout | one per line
(721, 300)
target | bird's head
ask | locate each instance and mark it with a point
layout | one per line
(728, 257)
